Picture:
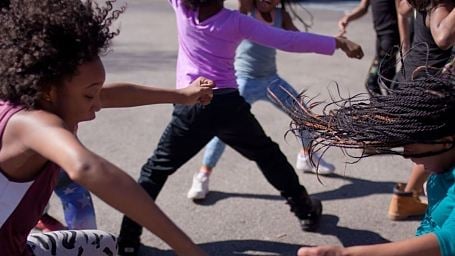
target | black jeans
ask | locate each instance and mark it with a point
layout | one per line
(229, 118)
(384, 63)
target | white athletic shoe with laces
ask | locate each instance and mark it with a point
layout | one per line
(303, 164)
(200, 186)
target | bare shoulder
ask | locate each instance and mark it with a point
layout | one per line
(17, 158)
(27, 120)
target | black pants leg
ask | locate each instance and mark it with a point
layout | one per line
(237, 127)
(187, 133)
(384, 64)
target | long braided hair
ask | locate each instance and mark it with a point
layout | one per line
(420, 111)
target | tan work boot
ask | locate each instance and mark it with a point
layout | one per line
(405, 204)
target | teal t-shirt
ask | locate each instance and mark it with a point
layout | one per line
(440, 216)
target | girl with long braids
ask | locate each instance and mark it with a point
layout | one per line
(51, 79)
(417, 117)
(208, 36)
(432, 43)
(255, 70)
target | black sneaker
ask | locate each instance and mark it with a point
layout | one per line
(128, 247)
(307, 210)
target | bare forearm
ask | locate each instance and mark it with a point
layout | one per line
(359, 11)
(121, 192)
(418, 246)
(403, 28)
(130, 95)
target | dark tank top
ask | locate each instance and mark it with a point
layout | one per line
(21, 203)
(425, 51)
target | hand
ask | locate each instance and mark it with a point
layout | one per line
(351, 49)
(200, 91)
(342, 25)
(328, 250)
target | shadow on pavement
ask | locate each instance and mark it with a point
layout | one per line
(356, 188)
(236, 248)
(348, 236)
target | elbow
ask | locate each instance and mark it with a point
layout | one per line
(443, 42)
(84, 170)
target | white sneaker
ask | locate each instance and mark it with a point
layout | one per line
(200, 186)
(303, 164)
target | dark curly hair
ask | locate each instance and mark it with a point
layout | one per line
(4, 3)
(43, 42)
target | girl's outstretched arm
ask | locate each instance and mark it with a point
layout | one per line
(44, 133)
(130, 95)
(292, 41)
(419, 246)
(356, 13)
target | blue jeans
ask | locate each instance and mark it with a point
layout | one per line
(252, 89)
(77, 204)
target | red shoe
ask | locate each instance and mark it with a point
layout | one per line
(48, 223)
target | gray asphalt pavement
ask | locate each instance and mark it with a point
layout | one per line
(243, 214)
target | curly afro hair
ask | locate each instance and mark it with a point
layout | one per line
(43, 42)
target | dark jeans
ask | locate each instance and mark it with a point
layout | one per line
(384, 64)
(229, 118)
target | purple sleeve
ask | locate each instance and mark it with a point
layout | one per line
(290, 41)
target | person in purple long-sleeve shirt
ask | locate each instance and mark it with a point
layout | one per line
(208, 36)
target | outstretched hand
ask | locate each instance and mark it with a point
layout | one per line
(321, 251)
(351, 49)
(200, 91)
(342, 25)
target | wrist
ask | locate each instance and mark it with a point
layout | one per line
(338, 42)
(179, 96)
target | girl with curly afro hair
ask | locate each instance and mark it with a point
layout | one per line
(51, 78)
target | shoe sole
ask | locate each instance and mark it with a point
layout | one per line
(319, 173)
(197, 197)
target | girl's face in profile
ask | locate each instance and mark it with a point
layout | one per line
(435, 163)
(78, 98)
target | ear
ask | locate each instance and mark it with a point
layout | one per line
(49, 94)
